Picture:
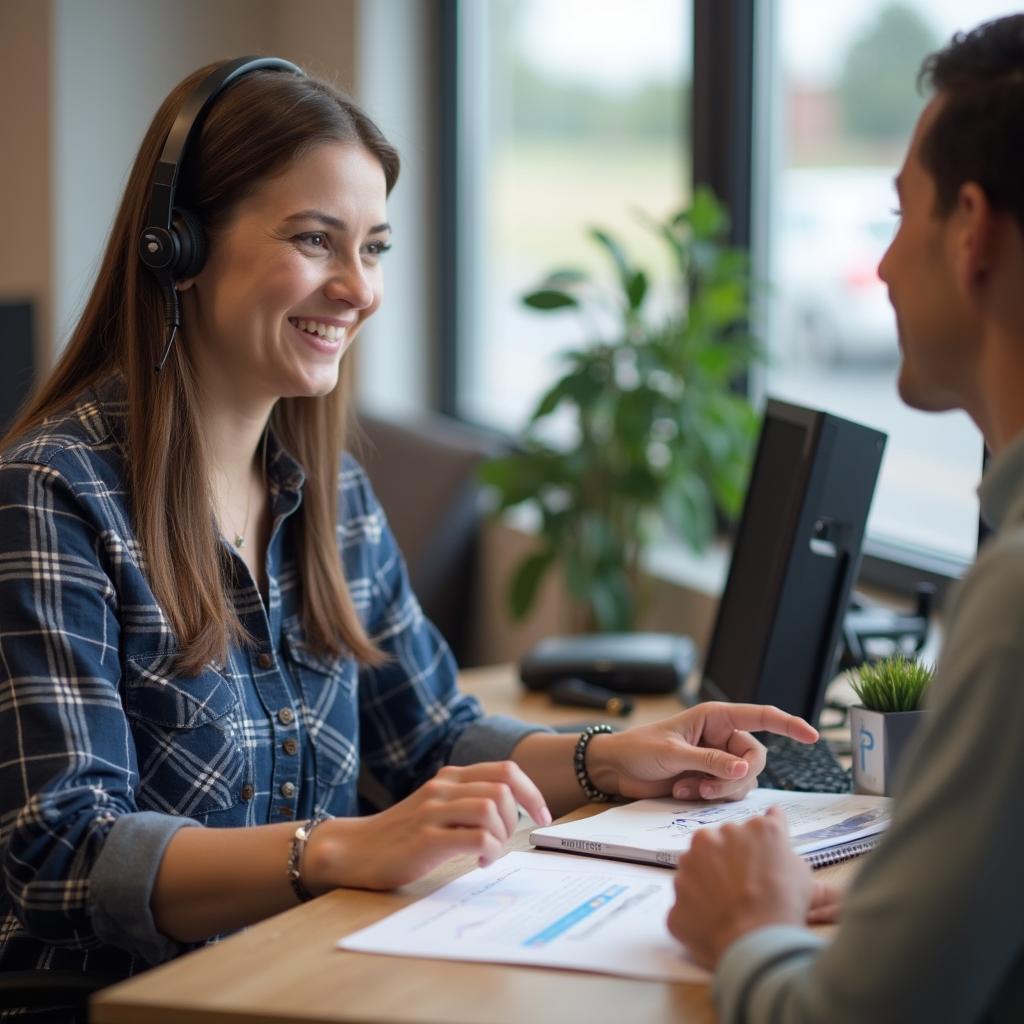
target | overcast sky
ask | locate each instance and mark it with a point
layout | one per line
(620, 43)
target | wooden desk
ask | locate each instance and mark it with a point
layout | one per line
(287, 969)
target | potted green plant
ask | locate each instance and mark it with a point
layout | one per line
(660, 434)
(890, 692)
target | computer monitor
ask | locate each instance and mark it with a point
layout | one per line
(795, 559)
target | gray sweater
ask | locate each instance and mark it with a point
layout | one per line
(933, 927)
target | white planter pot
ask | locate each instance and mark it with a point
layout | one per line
(877, 740)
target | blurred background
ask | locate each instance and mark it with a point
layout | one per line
(521, 123)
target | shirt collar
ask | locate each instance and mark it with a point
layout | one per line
(284, 473)
(1002, 489)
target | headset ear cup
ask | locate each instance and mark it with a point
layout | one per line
(191, 240)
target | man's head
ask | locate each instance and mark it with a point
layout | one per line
(978, 135)
(950, 268)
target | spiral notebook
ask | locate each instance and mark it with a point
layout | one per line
(824, 828)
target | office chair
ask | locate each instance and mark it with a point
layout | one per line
(424, 471)
(60, 995)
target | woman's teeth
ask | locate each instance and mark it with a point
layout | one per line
(323, 330)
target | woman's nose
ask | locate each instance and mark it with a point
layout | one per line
(350, 284)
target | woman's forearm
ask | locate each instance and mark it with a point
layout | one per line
(216, 880)
(548, 759)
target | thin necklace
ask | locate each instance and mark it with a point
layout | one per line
(239, 540)
(240, 537)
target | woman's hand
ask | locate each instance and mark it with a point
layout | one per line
(469, 810)
(704, 752)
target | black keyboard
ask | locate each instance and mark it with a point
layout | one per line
(808, 767)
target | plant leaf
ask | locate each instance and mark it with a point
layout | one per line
(519, 478)
(522, 589)
(636, 290)
(724, 302)
(618, 256)
(550, 298)
(568, 276)
(612, 602)
(689, 510)
(707, 216)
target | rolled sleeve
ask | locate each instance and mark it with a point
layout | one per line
(491, 739)
(757, 967)
(121, 884)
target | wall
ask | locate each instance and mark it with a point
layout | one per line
(321, 35)
(25, 211)
(80, 80)
(114, 62)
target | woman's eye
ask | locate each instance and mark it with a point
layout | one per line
(313, 239)
(377, 248)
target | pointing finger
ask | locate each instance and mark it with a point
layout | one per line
(765, 718)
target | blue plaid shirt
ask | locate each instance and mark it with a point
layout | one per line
(107, 751)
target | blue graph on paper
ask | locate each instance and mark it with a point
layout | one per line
(574, 916)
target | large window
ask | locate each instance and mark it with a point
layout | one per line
(578, 113)
(839, 109)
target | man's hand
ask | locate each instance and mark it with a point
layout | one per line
(704, 752)
(737, 878)
(826, 903)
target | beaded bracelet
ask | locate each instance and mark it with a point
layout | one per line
(299, 840)
(579, 762)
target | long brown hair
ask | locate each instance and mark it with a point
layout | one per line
(261, 123)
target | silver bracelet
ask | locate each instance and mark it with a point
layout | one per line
(299, 840)
(579, 762)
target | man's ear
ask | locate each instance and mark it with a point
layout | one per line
(975, 236)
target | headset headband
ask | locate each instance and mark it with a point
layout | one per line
(188, 123)
(172, 244)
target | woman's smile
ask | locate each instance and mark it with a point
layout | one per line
(327, 335)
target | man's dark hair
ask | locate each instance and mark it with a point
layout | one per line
(978, 133)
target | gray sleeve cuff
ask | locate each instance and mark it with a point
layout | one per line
(121, 884)
(491, 739)
(746, 962)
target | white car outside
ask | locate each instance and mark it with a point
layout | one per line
(831, 227)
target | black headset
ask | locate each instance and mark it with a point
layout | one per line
(173, 243)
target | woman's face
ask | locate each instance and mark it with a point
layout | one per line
(291, 277)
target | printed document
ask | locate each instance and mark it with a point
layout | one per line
(544, 909)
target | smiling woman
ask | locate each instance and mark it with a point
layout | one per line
(208, 633)
(293, 274)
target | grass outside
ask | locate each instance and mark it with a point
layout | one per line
(547, 194)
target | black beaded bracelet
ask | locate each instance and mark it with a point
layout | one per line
(579, 762)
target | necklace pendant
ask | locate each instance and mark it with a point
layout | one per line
(239, 541)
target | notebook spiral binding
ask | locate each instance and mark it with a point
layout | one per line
(837, 854)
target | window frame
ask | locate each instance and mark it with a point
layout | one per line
(733, 46)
